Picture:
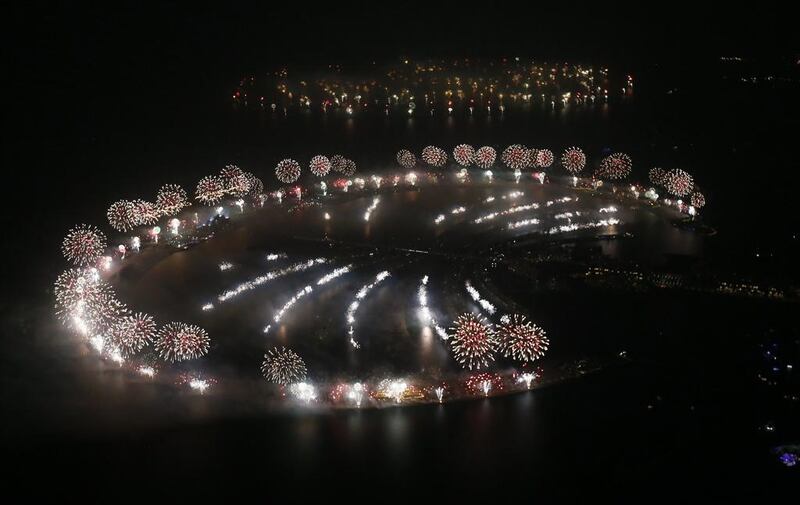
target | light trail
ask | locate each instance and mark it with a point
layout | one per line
(475, 295)
(269, 276)
(350, 315)
(305, 291)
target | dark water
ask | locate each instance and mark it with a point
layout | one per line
(683, 418)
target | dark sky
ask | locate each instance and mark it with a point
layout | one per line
(143, 44)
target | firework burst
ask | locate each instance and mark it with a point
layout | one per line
(181, 341)
(485, 157)
(319, 165)
(516, 157)
(256, 185)
(406, 158)
(532, 153)
(235, 181)
(573, 160)
(678, 182)
(434, 156)
(210, 189)
(337, 162)
(544, 158)
(86, 302)
(464, 154)
(77, 284)
(120, 215)
(283, 366)
(171, 199)
(473, 341)
(484, 383)
(348, 167)
(132, 333)
(615, 166)
(144, 213)
(521, 340)
(287, 171)
(697, 200)
(83, 245)
(656, 176)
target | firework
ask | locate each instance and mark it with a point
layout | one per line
(392, 388)
(573, 160)
(483, 383)
(532, 154)
(347, 167)
(144, 213)
(615, 166)
(516, 157)
(337, 162)
(656, 176)
(85, 301)
(485, 157)
(83, 245)
(434, 156)
(697, 200)
(171, 199)
(473, 341)
(76, 285)
(131, 333)
(181, 341)
(544, 158)
(287, 171)
(210, 189)
(319, 165)
(350, 315)
(256, 185)
(235, 181)
(527, 378)
(521, 340)
(120, 215)
(485, 304)
(464, 154)
(678, 182)
(283, 366)
(95, 315)
(303, 391)
(406, 158)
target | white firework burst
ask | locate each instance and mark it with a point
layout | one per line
(83, 245)
(473, 341)
(521, 339)
(283, 366)
(464, 154)
(120, 215)
(132, 333)
(181, 342)
(319, 165)
(573, 160)
(171, 199)
(516, 157)
(434, 156)
(485, 157)
(287, 171)
(210, 190)
(406, 159)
